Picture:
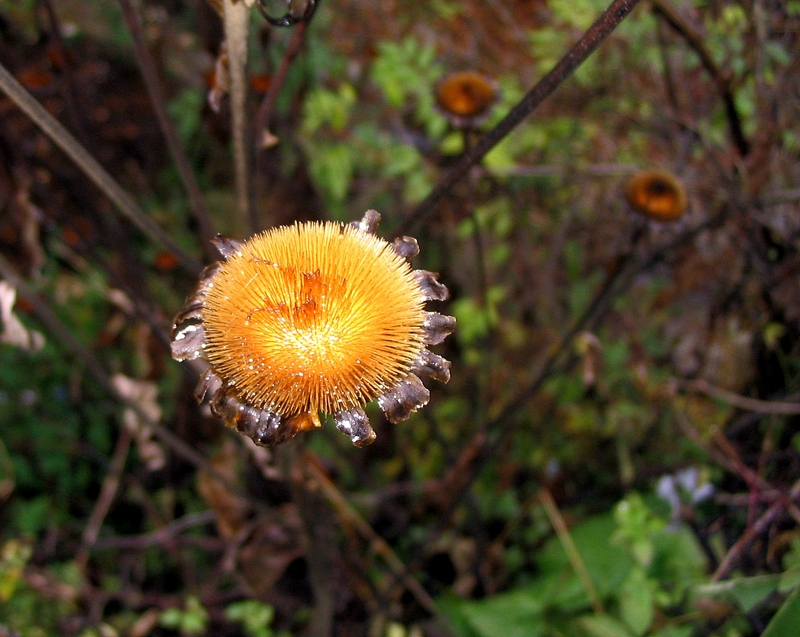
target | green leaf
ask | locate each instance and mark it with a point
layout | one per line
(747, 592)
(636, 601)
(603, 626)
(789, 580)
(787, 619)
(513, 614)
(255, 616)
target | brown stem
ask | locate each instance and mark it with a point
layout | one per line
(176, 149)
(742, 402)
(54, 325)
(68, 85)
(557, 521)
(588, 42)
(236, 17)
(263, 115)
(320, 532)
(377, 543)
(748, 536)
(722, 80)
(60, 136)
(107, 494)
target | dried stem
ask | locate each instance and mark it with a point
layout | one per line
(750, 534)
(68, 85)
(176, 149)
(107, 494)
(320, 532)
(722, 80)
(741, 402)
(96, 370)
(588, 42)
(236, 16)
(557, 520)
(162, 535)
(263, 115)
(89, 165)
(377, 543)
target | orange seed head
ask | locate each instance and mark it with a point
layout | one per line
(314, 316)
(657, 195)
(465, 94)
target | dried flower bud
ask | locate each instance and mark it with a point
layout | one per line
(465, 97)
(309, 318)
(657, 195)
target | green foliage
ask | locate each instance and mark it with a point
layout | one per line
(22, 609)
(254, 616)
(525, 243)
(406, 73)
(186, 111)
(192, 620)
(637, 564)
(784, 623)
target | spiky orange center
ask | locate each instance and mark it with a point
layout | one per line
(314, 316)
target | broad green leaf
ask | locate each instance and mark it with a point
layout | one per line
(636, 601)
(748, 592)
(786, 621)
(603, 626)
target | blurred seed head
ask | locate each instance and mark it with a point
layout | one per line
(465, 97)
(657, 195)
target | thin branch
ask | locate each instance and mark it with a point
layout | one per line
(557, 520)
(236, 16)
(91, 168)
(176, 149)
(739, 401)
(590, 40)
(377, 543)
(722, 80)
(750, 534)
(159, 536)
(107, 494)
(261, 123)
(96, 370)
(68, 85)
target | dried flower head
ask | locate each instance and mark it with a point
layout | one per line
(465, 97)
(309, 318)
(657, 195)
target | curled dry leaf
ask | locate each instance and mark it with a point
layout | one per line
(144, 394)
(13, 331)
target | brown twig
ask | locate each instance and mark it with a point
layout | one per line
(159, 536)
(560, 527)
(377, 543)
(54, 325)
(92, 169)
(264, 113)
(68, 85)
(742, 402)
(176, 149)
(588, 42)
(767, 518)
(722, 80)
(107, 494)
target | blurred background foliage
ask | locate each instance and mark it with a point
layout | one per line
(618, 452)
